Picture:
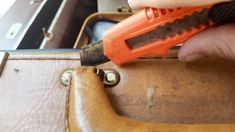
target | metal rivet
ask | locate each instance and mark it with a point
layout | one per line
(111, 78)
(66, 77)
(48, 35)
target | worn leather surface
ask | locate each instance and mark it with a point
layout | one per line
(33, 99)
(90, 110)
(197, 92)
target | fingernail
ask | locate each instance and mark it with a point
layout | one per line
(189, 58)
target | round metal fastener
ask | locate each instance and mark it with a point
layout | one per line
(111, 78)
(66, 77)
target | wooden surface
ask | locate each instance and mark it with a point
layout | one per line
(33, 98)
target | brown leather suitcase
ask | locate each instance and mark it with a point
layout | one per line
(32, 97)
(168, 94)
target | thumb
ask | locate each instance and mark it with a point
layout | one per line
(138, 4)
(217, 42)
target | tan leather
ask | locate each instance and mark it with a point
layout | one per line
(32, 97)
(90, 110)
(197, 92)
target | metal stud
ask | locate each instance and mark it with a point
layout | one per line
(66, 77)
(111, 78)
(48, 35)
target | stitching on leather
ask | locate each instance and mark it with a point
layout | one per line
(66, 122)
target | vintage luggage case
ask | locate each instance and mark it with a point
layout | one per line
(196, 96)
(151, 90)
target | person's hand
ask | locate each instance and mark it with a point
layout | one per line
(218, 42)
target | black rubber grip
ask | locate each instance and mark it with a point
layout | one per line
(223, 13)
(93, 54)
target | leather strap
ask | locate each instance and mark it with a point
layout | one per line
(90, 110)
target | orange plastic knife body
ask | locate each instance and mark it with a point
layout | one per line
(114, 40)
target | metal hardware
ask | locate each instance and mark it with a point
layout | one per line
(3, 59)
(66, 77)
(124, 9)
(48, 35)
(110, 78)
